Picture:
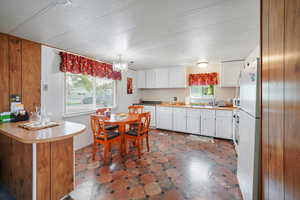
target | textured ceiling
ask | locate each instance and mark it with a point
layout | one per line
(152, 33)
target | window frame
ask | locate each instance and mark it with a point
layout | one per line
(95, 107)
(202, 96)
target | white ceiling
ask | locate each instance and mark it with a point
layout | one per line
(152, 33)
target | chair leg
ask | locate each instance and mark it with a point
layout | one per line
(147, 140)
(139, 148)
(109, 147)
(125, 146)
(94, 151)
(106, 151)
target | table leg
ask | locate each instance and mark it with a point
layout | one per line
(122, 129)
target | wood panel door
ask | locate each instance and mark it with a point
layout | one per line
(280, 99)
(31, 74)
(15, 65)
(20, 71)
(4, 73)
(292, 100)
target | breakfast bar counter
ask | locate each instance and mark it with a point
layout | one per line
(38, 164)
(63, 131)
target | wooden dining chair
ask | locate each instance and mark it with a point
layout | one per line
(103, 136)
(138, 135)
(101, 111)
(136, 109)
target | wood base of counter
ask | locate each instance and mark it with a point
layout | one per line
(37, 171)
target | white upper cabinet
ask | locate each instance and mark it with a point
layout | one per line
(150, 79)
(162, 78)
(177, 77)
(141, 79)
(230, 71)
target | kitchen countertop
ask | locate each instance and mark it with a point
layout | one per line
(63, 131)
(197, 107)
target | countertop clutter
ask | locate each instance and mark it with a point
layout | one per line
(198, 106)
(183, 105)
(63, 131)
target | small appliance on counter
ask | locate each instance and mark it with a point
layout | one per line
(187, 101)
(142, 102)
(174, 100)
(18, 113)
(236, 102)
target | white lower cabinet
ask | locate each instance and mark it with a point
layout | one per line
(179, 119)
(193, 121)
(208, 126)
(152, 111)
(206, 122)
(224, 124)
(164, 118)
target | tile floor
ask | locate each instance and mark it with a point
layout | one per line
(178, 167)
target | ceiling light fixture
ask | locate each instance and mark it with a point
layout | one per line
(202, 64)
(120, 65)
(63, 2)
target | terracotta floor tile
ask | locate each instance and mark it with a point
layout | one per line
(152, 189)
(147, 178)
(173, 195)
(137, 193)
(176, 168)
(105, 178)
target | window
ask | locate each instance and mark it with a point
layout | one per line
(87, 93)
(202, 91)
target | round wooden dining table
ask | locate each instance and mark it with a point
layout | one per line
(120, 119)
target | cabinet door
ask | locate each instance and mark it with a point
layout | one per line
(162, 78)
(230, 72)
(193, 125)
(177, 77)
(208, 126)
(151, 109)
(164, 118)
(150, 79)
(141, 77)
(224, 127)
(179, 119)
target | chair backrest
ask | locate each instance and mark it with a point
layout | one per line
(98, 127)
(101, 111)
(136, 109)
(144, 123)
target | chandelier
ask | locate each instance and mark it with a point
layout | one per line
(120, 65)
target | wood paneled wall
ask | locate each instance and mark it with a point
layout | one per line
(20, 71)
(280, 99)
(16, 167)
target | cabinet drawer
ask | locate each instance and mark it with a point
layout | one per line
(161, 108)
(224, 113)
(195, 113)
(179, 109)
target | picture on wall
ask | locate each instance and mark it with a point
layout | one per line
(129, 86)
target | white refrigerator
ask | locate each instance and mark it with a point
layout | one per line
(249, 130)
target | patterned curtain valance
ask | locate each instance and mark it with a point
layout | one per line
(203, 79)
(81, 65)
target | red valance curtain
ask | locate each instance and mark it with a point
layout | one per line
(81, 65)
(203, 79)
